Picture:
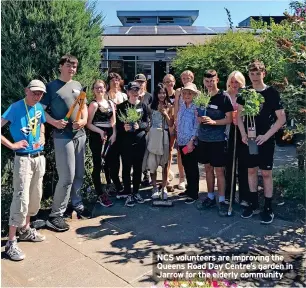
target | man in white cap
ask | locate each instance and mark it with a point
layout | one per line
(26, 119)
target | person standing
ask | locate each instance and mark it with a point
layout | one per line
(25, 118)
(132, 144)
(212, 140)
(269, 120)
(235, 81)
(146, 98)
(102, 126)
(157, 152)
(187, 126)
(69, 146)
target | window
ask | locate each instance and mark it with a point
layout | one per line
(133, 20)
(166, 20)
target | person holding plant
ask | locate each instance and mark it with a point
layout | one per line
(264, 116)
(169, 82)
(212, 140)
(235, 81)
(157, 152)
(146, 98)
(102, 125)
(187, 77)
(187, 127)
(132, 122)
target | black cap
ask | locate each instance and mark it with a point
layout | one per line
(133, 86)
(140, 77)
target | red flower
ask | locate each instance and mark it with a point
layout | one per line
(215, 284)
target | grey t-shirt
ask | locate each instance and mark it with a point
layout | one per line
(218, 106)
(58, 99)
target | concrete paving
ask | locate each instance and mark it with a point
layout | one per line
(115, 248)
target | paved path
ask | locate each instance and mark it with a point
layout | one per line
(115, 248)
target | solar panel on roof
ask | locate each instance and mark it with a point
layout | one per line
(197, 30)
(169, 30)
(220, 30)
(115, 30)
(138, 30)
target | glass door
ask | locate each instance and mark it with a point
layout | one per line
(146, 68)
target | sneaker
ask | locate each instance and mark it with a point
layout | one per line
(83, 213)
(122, 195)
(110, 190)
(130, 201)
(248, 212)
(223, 208)
(209, 203)
(31, 235)
(57, 223)
(181, 186)
(267, 216)
(138, 198)
(244, 203)
(170, 188)
(189, 200)
(146, 180)
(13, 251)
(104, 201)
(183, 194)
(165, 194)
(155, 193)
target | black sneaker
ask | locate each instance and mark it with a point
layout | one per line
(223, 208)
(248, 212)
(130, 201)
(138, 198)
(208, 203)
(267, 216)
(83, 213)
(183, 194)
(189, 201)
(58, 224)
(122, 195)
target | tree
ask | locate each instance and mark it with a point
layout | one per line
(35, 34)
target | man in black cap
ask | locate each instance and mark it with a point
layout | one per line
(146, 98)
(131, 137)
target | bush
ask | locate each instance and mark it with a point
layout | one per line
(291, 183)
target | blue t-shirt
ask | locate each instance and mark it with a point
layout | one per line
(59, 98)
(20, 127)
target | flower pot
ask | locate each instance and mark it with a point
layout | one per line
(253, 147)
(132, 126)
(201, 111)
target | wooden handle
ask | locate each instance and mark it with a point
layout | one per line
(81, 101)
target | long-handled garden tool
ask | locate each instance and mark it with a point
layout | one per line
(230, 208)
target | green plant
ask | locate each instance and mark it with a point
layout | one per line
(202, 99)
(253, 101)
(290, 182)
(130, 116)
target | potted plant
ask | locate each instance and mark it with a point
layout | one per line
(201, 101)
(131, 117)
(252, 104)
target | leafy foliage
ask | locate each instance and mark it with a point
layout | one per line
(131, 116)
(253, 101)
(202, 99)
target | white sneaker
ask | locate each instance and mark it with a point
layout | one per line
(155, 193)
(165, 194)
(31, 235)
(13, 251)
(181, 186)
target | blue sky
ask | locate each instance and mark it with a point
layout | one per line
(211, 13)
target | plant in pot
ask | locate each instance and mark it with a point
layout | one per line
(201, 101)
(131, 116)
(251, 108)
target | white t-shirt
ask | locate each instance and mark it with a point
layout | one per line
(119, 98)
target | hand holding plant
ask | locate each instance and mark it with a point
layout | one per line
(201, 101)
(131, 116)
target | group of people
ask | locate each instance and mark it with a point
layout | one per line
(166, 119)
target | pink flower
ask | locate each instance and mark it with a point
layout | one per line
(226, 283)
(215, 284)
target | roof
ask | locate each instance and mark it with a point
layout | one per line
(165, 30)
(168, 17)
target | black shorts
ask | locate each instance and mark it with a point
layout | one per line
(213, 153)
(264, 159)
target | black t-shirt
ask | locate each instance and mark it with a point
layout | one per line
(266, 117)
(132, 137)
(218, 106)
(147, 99)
